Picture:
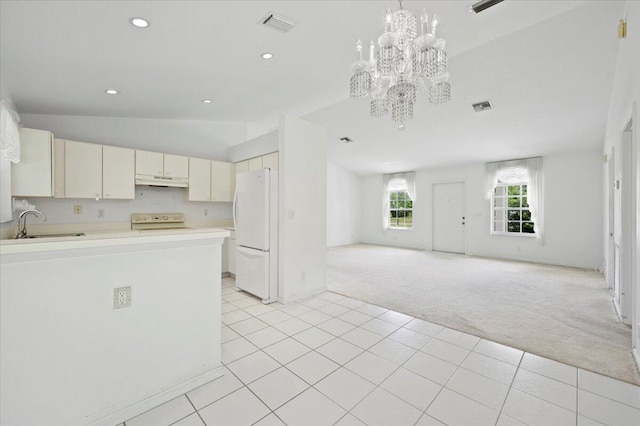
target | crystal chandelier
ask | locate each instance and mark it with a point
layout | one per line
(401, 61)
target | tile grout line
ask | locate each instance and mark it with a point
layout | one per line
(510, 387)
(519, 366)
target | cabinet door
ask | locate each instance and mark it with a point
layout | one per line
(118, 173)
(149, 163)
(58, 168)
(83, 170)
(176, 166)
(270, 161)
(32, 176)
(199, 180)
(255, 164)
(242, 166)
(221, 181)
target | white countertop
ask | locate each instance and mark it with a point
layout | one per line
(109, 238)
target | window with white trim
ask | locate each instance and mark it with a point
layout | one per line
(515, 190)
(511, 212)
(398, 198)
(400, 209)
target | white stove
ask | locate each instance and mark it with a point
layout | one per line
(155, 221)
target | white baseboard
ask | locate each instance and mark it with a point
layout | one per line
(116, 415)
(617, 309)
(300, 296)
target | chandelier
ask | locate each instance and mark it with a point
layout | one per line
(400, 62)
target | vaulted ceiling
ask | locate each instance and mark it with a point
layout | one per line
(546, 66)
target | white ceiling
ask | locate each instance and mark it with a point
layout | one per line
(547, 66)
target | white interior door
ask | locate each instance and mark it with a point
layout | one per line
(612, 212)
(448, 217)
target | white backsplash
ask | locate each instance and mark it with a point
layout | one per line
(148, 200)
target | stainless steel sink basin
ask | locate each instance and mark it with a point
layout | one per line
(70, 234)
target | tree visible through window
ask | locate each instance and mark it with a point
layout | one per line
(511, 212)
(400, 210)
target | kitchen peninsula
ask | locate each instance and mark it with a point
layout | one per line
(68, 356)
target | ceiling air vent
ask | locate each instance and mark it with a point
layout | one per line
(278, 22)
(346, 139)
(482, 106)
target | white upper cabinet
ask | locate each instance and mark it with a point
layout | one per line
(242, 166)
(221, 181)
(255, 164)
(149, 163)
(199, 180)
(118, 173)
(270, 161)
(33, 175)
(83, 170)
(176, 166)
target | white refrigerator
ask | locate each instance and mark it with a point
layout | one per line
(255, 216)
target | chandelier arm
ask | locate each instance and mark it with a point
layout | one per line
(400, 1)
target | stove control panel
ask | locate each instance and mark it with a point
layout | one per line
(137, 218)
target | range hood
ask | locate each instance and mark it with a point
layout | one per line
(162, 181)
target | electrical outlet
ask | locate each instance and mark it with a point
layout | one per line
(77, 209)
(100, 212)
(121, 297)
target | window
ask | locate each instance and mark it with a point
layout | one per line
(400, 209)
(397, 200)
(515, 193)
(511, 211)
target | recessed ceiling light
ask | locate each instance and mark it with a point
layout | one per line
(111, 92)
(139, 22)
(206, 101)
(267, 55)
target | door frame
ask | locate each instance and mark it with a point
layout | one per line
(464, 209)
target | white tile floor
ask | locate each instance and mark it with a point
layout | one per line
(331, 360)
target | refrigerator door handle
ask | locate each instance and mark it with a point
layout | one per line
(235, 199)
(251, 251)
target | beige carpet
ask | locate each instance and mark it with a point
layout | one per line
(555, 312)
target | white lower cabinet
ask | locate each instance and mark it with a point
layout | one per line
(83, 170)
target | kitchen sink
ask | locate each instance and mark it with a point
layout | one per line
(70, 234)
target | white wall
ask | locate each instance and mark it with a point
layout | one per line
(573, 213)
(148, 200)
(303, 208)
(626, 92)
(194, 138)
(344, 206)
(255, 147)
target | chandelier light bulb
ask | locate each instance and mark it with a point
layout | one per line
(359, 49)
(387, 20)
(424, 19)
(434, 26)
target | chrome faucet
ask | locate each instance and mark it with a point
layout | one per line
(22, 221)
